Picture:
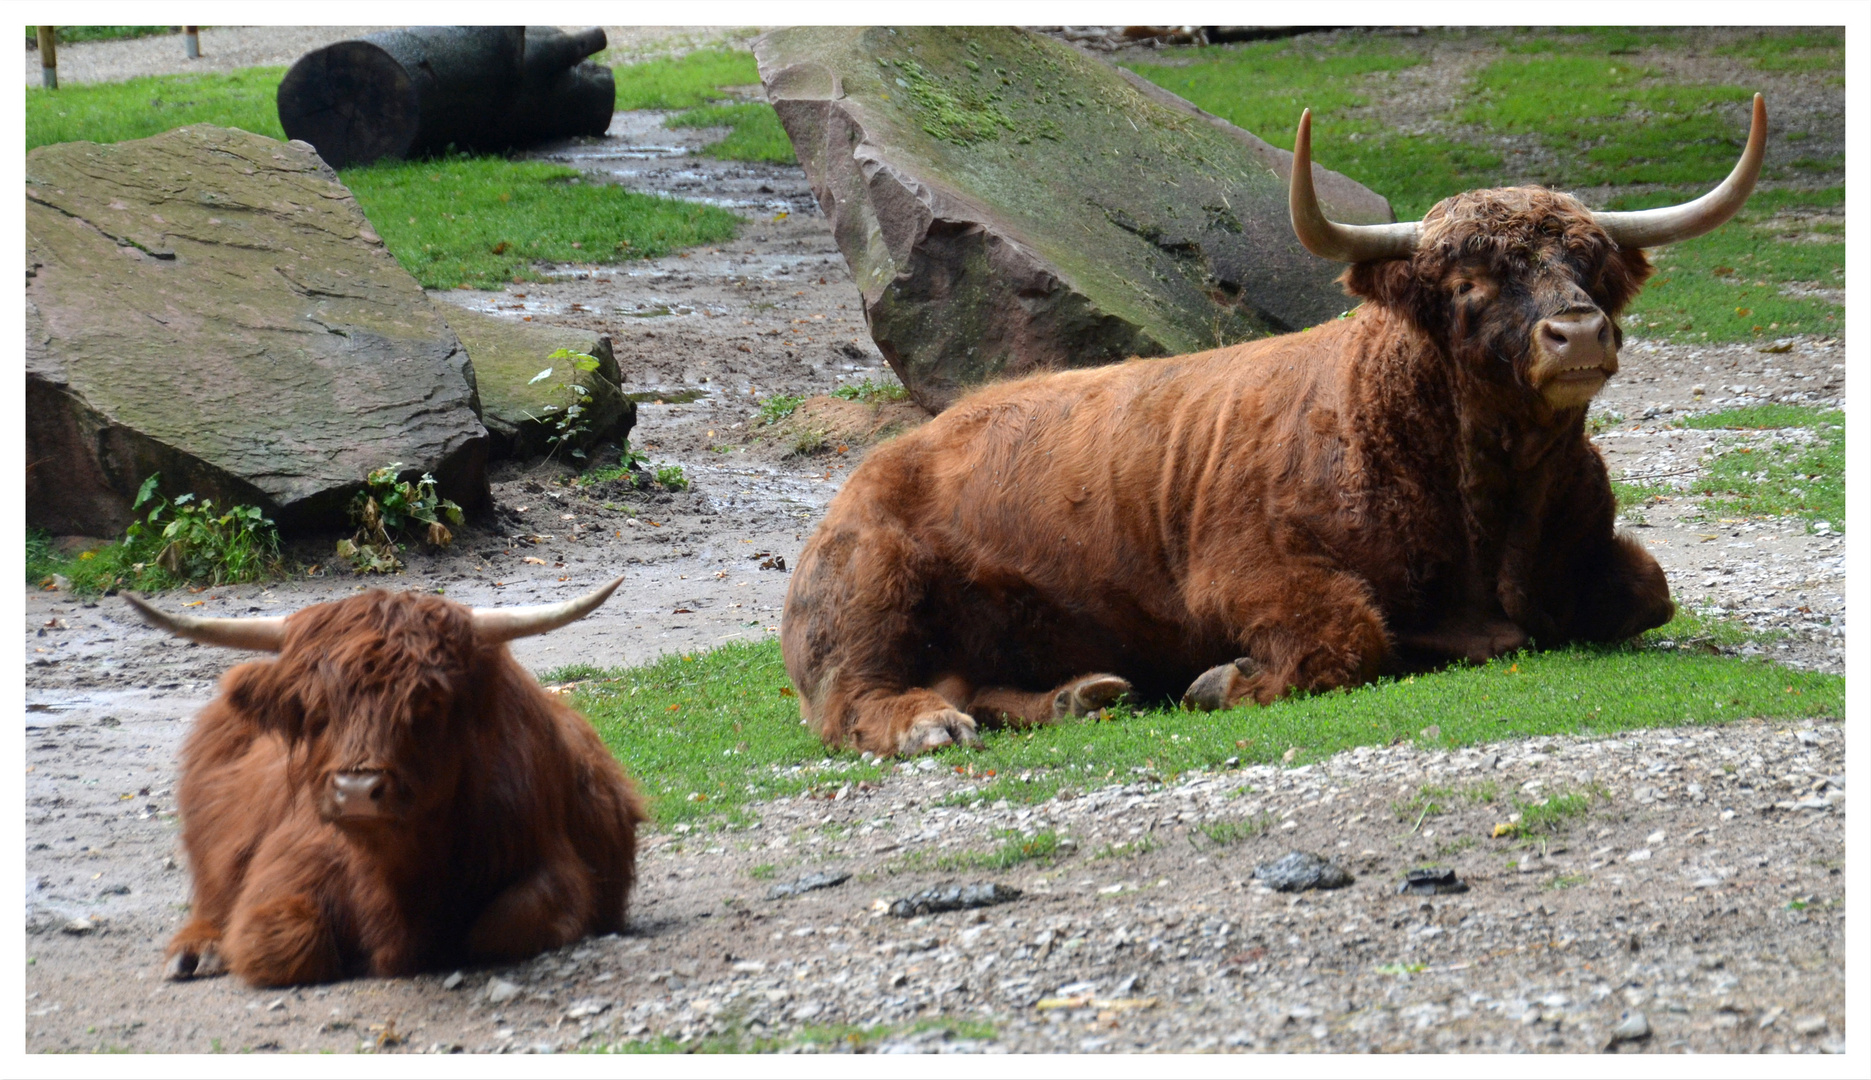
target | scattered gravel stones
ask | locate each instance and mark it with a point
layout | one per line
(499, 990)
(949, 896)
(1300, 870)
(824, 880)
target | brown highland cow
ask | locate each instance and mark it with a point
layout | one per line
(1396, 489)
(392, 793)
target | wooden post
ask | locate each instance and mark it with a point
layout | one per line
(191, 42)
(48, 56)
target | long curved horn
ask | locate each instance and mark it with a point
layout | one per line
(1328, 239)
(262, 634)
(1668, 224)
(494, 625)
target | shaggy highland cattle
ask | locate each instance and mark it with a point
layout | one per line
(393, 792)
(1399, 488)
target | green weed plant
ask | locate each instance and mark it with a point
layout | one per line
(1777, 479)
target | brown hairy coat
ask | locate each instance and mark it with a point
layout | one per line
(1397, 488)
(498, 826)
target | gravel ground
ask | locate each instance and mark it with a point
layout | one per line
(227, 48)
(1697, 906)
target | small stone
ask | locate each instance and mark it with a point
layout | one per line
(1808, 737)
(1633, 1027)
(948, 896)
(1640, 855)
(1300, 870)
(79, 926)
(1809, 1025)
(1430, 882)
(1656, 837)
(452, 981)
(499, 990)
(824, 880)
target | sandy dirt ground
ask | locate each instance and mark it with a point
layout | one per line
(1700, 906)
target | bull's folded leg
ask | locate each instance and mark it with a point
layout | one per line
(195, 952)
(1301, 630)
(546, 910)
(935, 729)
(1477, 642)
(1222, 686)
(1083, 696)
(1624, 593)
(283, 941)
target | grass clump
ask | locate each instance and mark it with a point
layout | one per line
(867, 390)
(1013, 850)
(672, 477)
(1803, 479)
(68, 35)
(779, 407)
(483, 222)
(1554, 814)
(1228, 831)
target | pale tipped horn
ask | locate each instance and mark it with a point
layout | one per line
(494, 625)
(261, 634)
(1668, 224)
(1329, 239)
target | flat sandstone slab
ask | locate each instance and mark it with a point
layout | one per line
(213, 305)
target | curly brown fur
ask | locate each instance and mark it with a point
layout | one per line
(1399, 488)
(508, 826)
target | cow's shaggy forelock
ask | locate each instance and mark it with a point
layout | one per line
(366, 682)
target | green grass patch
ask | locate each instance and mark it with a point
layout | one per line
(1692, 629)
(1013, 850)
(482, 222)
(755, 133)
(867, 390)
(138, 108)
(1554, 814)
(1228, 831)
(706, 733)
(1781, 479)
(683, 82)
(1813, 48)
(779, 407)
(709, 733)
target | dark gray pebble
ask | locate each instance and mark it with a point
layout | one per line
(1301, 870)
(949, 896)
(1430, 882)
(806, 884)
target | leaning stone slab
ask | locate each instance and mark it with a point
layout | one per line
(212, 305)
(1008, 203)
(522, 415)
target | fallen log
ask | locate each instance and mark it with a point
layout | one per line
(419, 91)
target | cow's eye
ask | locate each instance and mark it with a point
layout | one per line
(1464, 288)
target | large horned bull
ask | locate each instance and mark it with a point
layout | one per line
(1395, 489)
(393, 792)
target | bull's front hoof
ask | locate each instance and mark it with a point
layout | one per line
(1219, 686)
(193, 964)
(932, 731)
(1088, 695)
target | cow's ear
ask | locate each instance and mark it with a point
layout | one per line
(1390, 282)
(1623, 274)
(258, 692)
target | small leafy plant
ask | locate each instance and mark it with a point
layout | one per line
(571, 423)
(671, 477)
(388, 509)
(192, 543)
(872, 391)
(779, 407)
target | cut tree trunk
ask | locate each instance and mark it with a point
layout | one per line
(418, 92)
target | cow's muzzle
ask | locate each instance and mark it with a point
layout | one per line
(1573, 354)
(356, 797)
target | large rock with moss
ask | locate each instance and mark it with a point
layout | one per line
(1008, 203)
(524, 413)
(212, 305)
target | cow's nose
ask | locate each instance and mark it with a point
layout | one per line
(1578, 339)
(357, 794)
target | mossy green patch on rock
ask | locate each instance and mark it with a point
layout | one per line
(212, 305)
(1008, 203)
(520, 409)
